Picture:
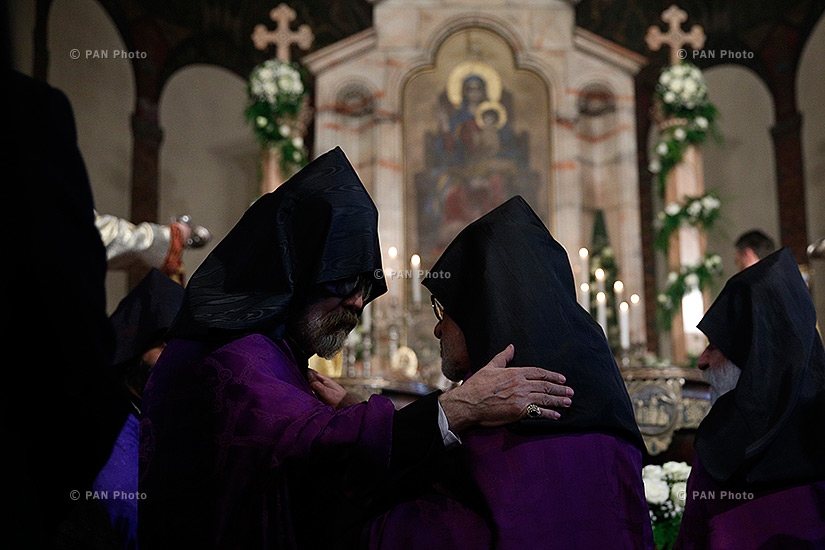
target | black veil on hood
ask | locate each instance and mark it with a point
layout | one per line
(145, 314)
(319, 226)
(509, 282)
(770, 429)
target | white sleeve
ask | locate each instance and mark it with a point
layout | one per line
(450, 439)
(128, 244)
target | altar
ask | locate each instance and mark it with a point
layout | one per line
(446, 110)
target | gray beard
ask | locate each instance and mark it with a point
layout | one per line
(722, 380)
(450, 370)
(324, 336)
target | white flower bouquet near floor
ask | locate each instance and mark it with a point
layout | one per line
(665, 492)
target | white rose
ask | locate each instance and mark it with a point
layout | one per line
(296, 156)
(678, 494)
(661, 149)
(713, 261)
(265, 74)
(694, 209)
(677, 471)
(680, 134)
(653, 471)
(261, 121)
(690, 87)
(284, 84)
(672, 277)
(701, 122)
(677, 85)
(669, 97)
(672, 209)
(664, 79)
(283, 130)
(298, 142)
(656, 490)
(655, 166)
(692, 280)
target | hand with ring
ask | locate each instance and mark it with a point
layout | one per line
(533, 411)
(496, 395)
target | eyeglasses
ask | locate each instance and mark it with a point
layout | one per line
(347, 287)
(438, 309)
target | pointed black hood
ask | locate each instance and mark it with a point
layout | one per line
(319, 226)
(145, 314)
(510, 281)
(771, 428)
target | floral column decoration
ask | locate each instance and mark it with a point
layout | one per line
(278, 111)
(686, 119)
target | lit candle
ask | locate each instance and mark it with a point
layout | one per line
(585, 296)
(624, 325)
(601, 309)
(585, 264)
(635, 300)
(618, 290)
(415, 262)
(391, 272)
(599, 273)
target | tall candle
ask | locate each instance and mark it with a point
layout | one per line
(415, 263)
(624, 325)
(584, 297)
(599, 273)
(601, 310)
(390, 272)
(618, 291)
(585, 264)
(636, 326)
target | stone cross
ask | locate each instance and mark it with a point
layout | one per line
(282, 37)
(675, 37)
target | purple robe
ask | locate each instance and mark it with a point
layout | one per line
(237, 452)
(117, 484)
(720, 517)
(562, 491)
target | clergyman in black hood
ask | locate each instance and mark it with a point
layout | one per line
(758, 475)
(238, 450)
(570, 483)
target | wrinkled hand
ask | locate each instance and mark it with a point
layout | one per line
(496, 395)
(329, 391)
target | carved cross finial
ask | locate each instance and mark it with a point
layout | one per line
(675, 37)
(282, 37)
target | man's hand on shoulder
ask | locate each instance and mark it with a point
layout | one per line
(496, 395)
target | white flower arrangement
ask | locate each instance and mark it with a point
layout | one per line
(275, 81)
(277, 98)
(686, 116)
(690, 277)
(666, 493)
(682, 86)
(696, 211)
